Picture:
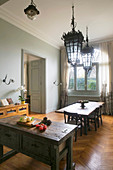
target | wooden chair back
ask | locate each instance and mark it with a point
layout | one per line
(69, 117)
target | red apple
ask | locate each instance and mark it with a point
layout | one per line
(44, 127)
(38, 125)
(41, 128)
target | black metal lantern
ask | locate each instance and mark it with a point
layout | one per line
(87, 54)
(73, 42)
(31, 11)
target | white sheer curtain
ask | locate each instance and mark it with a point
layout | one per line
(64, 78)
(104, 66)
(105, 75)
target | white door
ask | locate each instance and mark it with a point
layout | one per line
(35, 80)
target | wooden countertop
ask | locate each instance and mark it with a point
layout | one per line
(55, 133)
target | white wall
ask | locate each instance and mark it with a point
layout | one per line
(12, 41)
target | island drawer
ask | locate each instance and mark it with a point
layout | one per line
(36, 147)
(9, 138)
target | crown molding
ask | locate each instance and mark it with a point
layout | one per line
(3, 2)
(16, 21)
(104, 39)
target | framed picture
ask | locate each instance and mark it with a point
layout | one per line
(10, 101)
(4, 102)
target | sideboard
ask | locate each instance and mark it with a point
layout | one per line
(12, 110)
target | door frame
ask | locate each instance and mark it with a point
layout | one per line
(43, 77)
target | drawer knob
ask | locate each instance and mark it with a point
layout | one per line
(35, 145)
(8, 135)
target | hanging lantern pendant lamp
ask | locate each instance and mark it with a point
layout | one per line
(73, 42)
(87, 54)
(31, 11)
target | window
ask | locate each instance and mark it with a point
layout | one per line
(81, 83)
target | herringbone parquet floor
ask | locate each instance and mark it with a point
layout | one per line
(91, 152)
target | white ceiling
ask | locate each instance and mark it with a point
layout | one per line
(55, 18)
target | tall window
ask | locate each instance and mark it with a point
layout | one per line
(81, 83)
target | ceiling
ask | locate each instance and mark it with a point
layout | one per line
(55, 18)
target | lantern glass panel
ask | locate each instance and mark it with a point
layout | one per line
(87, 61)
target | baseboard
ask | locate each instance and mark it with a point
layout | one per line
(51, 110)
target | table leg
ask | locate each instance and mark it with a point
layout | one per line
(7, 155)
(55, 158)
(69, 144)
(85, 125)
(1, 152)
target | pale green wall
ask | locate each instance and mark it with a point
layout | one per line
(12, 41)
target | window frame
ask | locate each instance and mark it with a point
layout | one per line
(75, 92)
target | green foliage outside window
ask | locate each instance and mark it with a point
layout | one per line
(71, 84)
(80, 84)
(91, 84)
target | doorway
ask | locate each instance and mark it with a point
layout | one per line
(33, 78)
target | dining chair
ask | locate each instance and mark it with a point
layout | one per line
(73, 118)
(99, 116)
(93, 118)
(99, 113)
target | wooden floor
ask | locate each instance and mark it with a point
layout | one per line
(91, 152)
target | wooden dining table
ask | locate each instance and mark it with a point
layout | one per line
(84, 113)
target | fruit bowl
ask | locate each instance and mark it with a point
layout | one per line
(82, 103)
